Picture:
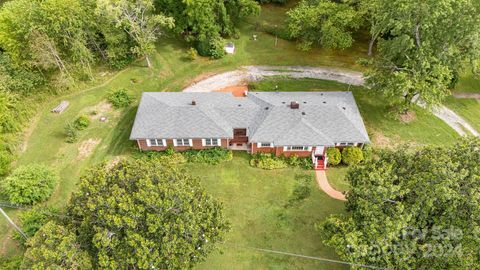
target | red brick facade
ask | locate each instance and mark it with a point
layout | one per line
(196, 144)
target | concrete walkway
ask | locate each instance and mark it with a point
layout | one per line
(325, 186)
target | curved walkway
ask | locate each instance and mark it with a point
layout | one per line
(256, 73)
(325, 186)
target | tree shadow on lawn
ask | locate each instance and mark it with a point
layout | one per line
(119, 141)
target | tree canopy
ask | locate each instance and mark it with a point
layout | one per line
(412, 210)
(145, 215)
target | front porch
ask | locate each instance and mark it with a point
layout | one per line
(319, 158)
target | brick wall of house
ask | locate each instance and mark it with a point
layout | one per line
(278, 151)
(196, 144)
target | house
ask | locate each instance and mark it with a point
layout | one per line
(283, 123)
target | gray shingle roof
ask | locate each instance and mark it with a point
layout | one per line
(324, 118)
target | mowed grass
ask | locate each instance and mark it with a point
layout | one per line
(336, 177)
(468, 108)
(254, 201)
(384, 130)
(468, 83)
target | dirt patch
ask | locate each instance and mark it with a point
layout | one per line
(86, 148)
(114, 162)
(200, 78)
(381, 140)
(98, 111)
(237, 90)
(408, 116)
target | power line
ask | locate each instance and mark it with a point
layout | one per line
(309, 257)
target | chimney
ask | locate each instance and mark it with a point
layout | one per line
(294, 105)
(194, 102)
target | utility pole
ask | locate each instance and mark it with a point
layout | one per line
(13, 224)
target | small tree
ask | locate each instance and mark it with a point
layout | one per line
(71, 132)
(55, 247)
(140, 214)
(352, 155)
(192, 54)
(30, 184)
(120, 98)
(82, 122)
(334, 156)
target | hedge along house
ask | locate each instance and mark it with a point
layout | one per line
(282, 123)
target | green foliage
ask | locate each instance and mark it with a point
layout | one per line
(412, 210)
(334, 156)
(323, 21)
(82, 122)
(213, 47)
(71, 132)
(211, 156)
(33, 219)
(352, 155)
(267, 161)
(55, 247)
(12, 112)
(205, 22)
(282, 2)
(16, 78)
(301, 191)
(11, 263)
(301, 162)
(138, 19)
(368, 152)
(192, 54)
(421, 46)
(6, 159)
(165, 157)
(144, 214)
(120, 98)
(29, 184)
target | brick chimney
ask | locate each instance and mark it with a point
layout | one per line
(294, 105)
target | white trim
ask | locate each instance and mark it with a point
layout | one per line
(164, 141)
(148, 142)
(203, 142)
(174, 142)
(156, 142)
(219, 142)
(288, 148)
(190, 142)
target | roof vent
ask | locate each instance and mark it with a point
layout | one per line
(194, 102)
(344, 108)
(324, 102)
(294, 105)
(303, 113)
(266, 108)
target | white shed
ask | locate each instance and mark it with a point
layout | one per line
(230, 48)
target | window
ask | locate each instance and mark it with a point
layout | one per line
(265, 144)
(297, 148)
(182, 142)
(156, 142)
(211, 142)
(346, 144)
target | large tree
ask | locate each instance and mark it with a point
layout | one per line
(55, 247)
(138, 19)
(412, 210)
(421, 47)
(204, 21)
(324, 22)
(145, 215)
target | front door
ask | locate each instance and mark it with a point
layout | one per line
(239, 137)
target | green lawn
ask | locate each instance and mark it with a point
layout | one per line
(468, 83)
(254, 200)
(336, 177)
(384, 130)
(468, 108)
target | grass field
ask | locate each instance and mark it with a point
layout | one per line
(336, 177)
(384, 130)
(255, 201)
(468, 108)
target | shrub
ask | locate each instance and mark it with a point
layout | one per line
(209, 156)
(30, 184)
(367, 152)
(301, 191)
(6, 159)
(267, 162)
(352, 155)
(213, 47)
(71, 132)
(300, 162)
(120, 98)
(33, 219)
(192, 54)
(334, 156)
(11, 263)
(82, 122)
